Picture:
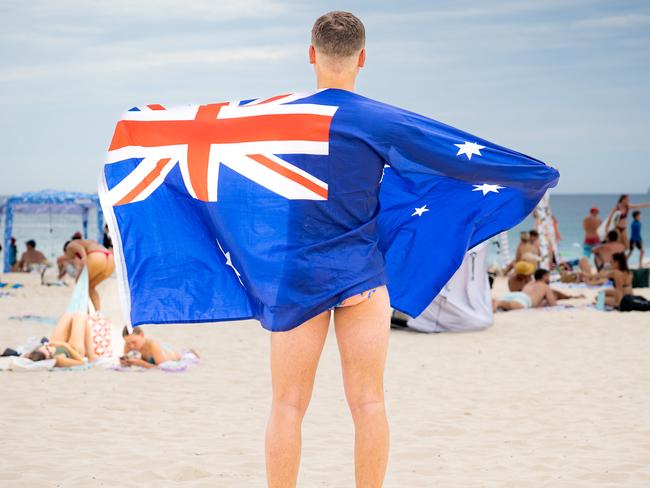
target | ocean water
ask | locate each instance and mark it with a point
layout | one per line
(50, 231)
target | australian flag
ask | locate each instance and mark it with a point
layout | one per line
(280, 208)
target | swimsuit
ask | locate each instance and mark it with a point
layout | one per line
(61, 350)
(356, 299)
(622, 216)
(103, 251)
(590, 242)
(519, 297)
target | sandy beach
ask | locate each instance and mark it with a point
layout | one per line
(543, 398)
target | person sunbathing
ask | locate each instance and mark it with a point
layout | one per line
(537, 293)
(584, 275)
(70, 343)
(144, 352)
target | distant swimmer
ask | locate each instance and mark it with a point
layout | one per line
(537, 293)
(143, 351)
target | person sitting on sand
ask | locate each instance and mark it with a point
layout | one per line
(144, 352)
(96, 257)
(528, 249)
(522, 275)
(622, 278)
(32, 259)
(603, 253)
(70, 343)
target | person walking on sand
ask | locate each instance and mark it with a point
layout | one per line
(590, 225)
(635, 237)
(96, 257)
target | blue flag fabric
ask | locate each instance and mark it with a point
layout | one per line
(278, 209)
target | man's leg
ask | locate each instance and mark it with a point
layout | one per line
(362, 333)
(294, 358)
(509, 305)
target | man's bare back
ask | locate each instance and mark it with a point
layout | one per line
(539, 292)
(605, 251)
(590, 224)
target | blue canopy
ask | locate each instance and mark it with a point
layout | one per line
(55, 202)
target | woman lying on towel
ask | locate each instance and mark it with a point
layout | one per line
(144, 352)
(70, 343)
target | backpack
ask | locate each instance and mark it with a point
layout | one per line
(640, 278)
(631, 303)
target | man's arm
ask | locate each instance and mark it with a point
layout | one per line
(550, 296)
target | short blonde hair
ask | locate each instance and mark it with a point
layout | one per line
(338, 34)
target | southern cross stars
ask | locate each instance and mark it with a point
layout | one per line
(469, 148)
(420, 211)
(485, 188)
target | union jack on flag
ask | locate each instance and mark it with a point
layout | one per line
(245, 136)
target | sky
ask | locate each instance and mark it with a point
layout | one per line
(565, 81)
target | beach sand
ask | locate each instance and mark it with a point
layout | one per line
(542, 399)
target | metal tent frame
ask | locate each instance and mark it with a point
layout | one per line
(54, 202)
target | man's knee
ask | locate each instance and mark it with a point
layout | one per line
(366, 406)
(291, 404)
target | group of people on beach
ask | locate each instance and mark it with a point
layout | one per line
(529, 284)
(70, 344)
(78, 253)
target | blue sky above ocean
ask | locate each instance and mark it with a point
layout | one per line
(564, 81)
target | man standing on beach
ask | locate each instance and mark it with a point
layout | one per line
(590, 225)
(322, 200)
(337, 53)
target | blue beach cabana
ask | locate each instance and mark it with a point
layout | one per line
(51, 201)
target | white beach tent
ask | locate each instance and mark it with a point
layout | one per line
(464, 304)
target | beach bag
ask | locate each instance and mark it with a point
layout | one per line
(631, 303)
(100, 329)
(640, 278)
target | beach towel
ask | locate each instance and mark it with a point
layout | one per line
(188, 359)
(11, 286)
(34, 318)
(288, 205)
(25, 365)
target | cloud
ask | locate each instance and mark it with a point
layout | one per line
(130, 11)
(122, 60)
(615, 21)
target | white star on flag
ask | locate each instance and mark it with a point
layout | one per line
(229, 263)
(485, 188)
(420, 211)
(469, 148)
